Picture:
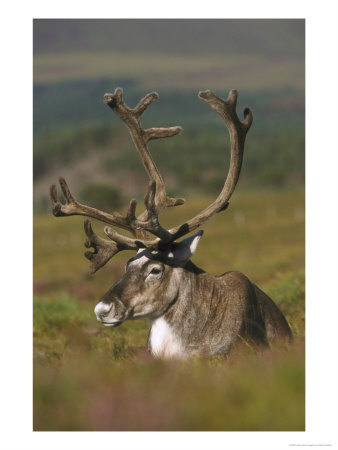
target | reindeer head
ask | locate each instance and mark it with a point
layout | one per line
(150, 284)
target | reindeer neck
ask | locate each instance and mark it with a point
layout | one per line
(170, 334)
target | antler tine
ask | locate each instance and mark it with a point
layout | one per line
(144, 103)
(148, 222)
(103, 249)
(126, 243)
(237, 130)
(72, 207)
(151, 222)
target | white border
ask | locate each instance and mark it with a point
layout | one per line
(322, 76)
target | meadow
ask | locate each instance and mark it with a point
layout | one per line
(88, 377)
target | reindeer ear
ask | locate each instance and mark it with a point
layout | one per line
(193, 242)
(184, 250)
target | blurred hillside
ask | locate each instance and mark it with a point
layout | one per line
(182, 36)
(76, 135)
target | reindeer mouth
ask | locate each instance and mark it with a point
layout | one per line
(112, 324)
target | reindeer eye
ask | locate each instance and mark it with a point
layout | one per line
(155, 271)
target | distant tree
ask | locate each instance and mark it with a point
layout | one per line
(103, 196)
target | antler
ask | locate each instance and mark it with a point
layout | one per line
(237, 130)
(156, 198)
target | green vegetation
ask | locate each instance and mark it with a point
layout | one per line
(91, 144)
(87, 377)
(100, 195)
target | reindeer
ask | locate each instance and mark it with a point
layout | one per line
(191, 312)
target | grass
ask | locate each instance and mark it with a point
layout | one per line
(87, 377)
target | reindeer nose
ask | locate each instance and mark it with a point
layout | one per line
(102, 309)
